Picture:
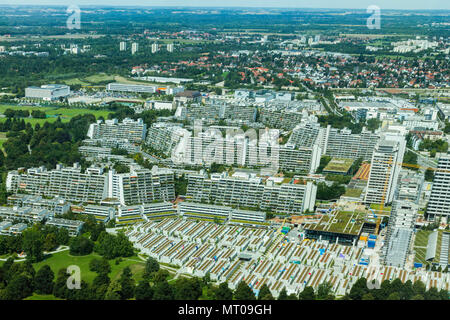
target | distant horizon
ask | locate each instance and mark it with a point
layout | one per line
(398, 5)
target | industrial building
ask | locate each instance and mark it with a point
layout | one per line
(48, 92)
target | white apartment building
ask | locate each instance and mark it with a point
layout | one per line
(68, 183)
(136, 88)
(141, 185)
(138, 186)
(134, 47)
(385, 169)
(399, 233)
(122, 46)
(155, 47)
(132, 130)
(439, 204)
(334, 142)
(250, 191)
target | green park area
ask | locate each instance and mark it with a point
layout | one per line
(62, 260)
(52, 113)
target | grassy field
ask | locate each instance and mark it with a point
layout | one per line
(36, 296)
(376, 206)
(420, 246)
(355, 193)
(90, 80)
(53, 112)
(63, 259)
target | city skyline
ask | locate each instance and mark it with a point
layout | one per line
(321, 4)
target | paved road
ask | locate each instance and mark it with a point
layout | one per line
(59, 249)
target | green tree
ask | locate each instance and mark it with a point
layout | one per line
(33, 245)
(264, 292)
(20, 287)
(81, 246)
(429, 174)
(324, 291)
(100, 265)
(359, 289)
(283, 295)
(432, 294)
(373, 124)
(43, 281)
(151, 266)
(127, 284)
(307, 294)
(163, 291)
(394, 296)
(407, 291)
(187, 289)
(114, 291)
(60, 289)
(100, 285)
(419, 288)
(144, 291)
(244, 292)
(368, 296)
(223, 292)
(50, 242)
(62, 236)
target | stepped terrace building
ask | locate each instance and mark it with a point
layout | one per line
(236, 149)
(141, 185)
(132, 130)
(69, 183)
(164, 136)
(137, 187)
(334, 142)
(243, 190)
(283, 119)
(55, 206)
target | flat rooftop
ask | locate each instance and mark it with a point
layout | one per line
(343, 222)
(339, 165)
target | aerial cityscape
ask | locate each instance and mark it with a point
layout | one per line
(224, 153)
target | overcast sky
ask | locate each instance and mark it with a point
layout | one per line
(360, 4)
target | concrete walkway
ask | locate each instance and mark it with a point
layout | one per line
(59, 249)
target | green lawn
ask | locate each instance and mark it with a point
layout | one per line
(420, 246)
(63, 259)
(53, 112)
(377, 206)
(355, 193)
(36, 296)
